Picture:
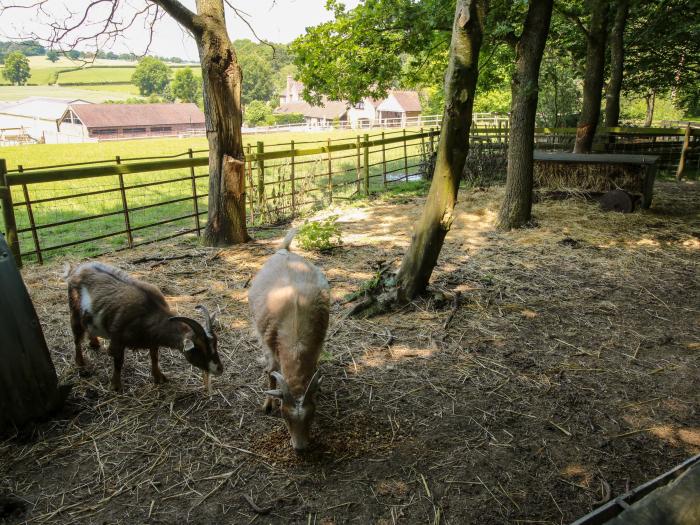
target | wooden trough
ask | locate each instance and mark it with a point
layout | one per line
(670, 499)
(597, 173)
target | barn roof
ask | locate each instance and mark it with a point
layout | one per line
(329, 110)
(406, 100)
(120, 115)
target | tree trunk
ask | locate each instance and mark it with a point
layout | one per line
(617, 63)
(651, 100)
(593, 77)
(517, 204)
(221, 78)
(28, 384)
(438, 212)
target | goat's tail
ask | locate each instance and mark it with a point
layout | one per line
(284, 245)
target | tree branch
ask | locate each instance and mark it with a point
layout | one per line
(179, 12)
(574, 17)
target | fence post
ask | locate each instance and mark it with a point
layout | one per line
(30, 215)
(291, 178)
(125, 207)
(357, 166)
(8, 213)
(251, 193)
(432, 140)
(405, 156)
(261, 178)
(383, 161)
(366, 164)
(684, 154)
(330, 173)
(194, 195)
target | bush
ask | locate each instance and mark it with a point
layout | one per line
(289, 118)
(257, 112)
(320, 235)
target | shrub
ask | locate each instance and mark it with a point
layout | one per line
(320, 235)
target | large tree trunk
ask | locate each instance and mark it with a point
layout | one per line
(28, 384)
(651, 100)
(438, 213)
(221, 76)
(593, 77)
(617, 63)
(517, 204)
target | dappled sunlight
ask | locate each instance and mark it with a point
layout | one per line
(377, 357)
(577, 473)
(687, 437)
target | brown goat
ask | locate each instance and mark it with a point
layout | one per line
(289, 302)
(106, 302)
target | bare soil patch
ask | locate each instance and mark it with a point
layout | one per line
(571, 363)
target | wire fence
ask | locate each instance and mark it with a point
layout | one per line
(91, 208)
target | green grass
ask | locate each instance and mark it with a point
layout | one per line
(97, 74)
(91, 95)
(311, 183)
(120, 89)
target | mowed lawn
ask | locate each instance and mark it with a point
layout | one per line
(165, 197)
(89, 93)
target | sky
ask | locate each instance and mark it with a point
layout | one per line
(278, 21)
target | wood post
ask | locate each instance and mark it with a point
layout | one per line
(250, 184)
(261, 175)
(198, 227)
(291, 178)
(366, 151)
(330, 173)
(125, 207)
(432, 141)
(30, 215)
(357, 166)
(8, 214)
(383, 161)
(405, 156)
(684, 154)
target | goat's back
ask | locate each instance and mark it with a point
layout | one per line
(290, 297)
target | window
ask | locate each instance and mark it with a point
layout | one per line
(161, 129)
(134, 130)
(104, 131)
(360, 105)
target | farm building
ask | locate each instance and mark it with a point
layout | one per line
(121, 121)
(369, 112)
(397, 107)
(34, 119)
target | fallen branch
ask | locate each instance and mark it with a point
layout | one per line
(256, 509)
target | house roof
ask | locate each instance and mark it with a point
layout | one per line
(406, 100)
(329, 110)
(119, 115)
(43, 108)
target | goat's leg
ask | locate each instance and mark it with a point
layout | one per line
(269, 402)
(76, 325)
(94, 342)
(117, 351)
(158, 377)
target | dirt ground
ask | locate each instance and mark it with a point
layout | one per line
(570, 365)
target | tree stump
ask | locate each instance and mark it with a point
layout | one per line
(28, 383)
(617, 200)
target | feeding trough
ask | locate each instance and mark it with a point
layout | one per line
(599, 174)
(671, 499)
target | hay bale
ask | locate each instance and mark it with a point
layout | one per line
(597, 177)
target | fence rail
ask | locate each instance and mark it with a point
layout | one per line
(121, 203)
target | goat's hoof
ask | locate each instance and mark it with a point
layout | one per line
(84, 371)
(95, 344)
(159, 379)
(117, 386)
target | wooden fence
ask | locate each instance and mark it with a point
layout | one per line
(96, 207)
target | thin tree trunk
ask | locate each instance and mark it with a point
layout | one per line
(517, 204)
(221, 79)
(593, 77)
(438, 212)
(617, 64)
(651, 100)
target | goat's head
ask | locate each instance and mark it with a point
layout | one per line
(298, 413)
(199, 343)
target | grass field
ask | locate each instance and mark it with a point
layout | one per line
(89, 93)
(157, 197)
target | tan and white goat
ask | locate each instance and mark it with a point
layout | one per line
(106, 302)
(289, 300)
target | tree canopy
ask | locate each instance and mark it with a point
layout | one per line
(185, 86)
(16, 68)
(152, 76)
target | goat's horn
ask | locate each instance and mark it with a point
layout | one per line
(194, 325)
(313, 384)
(283, 388)
(208, 319)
